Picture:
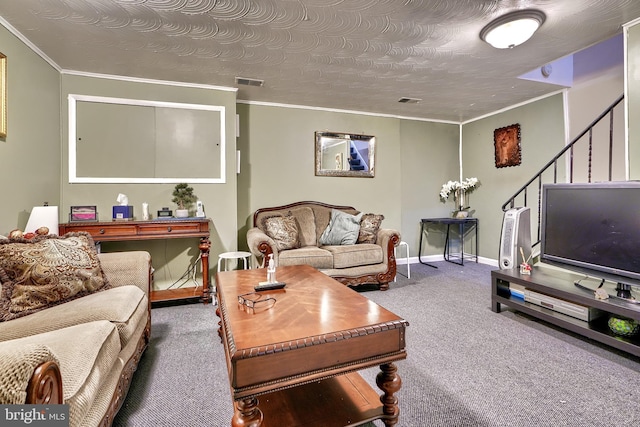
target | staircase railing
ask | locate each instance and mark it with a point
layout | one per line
(553, 164)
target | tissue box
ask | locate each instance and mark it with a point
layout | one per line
(122, 212)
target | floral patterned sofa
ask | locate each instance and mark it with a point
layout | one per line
(340, 241)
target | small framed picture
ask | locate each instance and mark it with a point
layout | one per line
(83, 213)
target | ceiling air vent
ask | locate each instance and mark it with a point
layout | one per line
(409, 100)
(249, 82)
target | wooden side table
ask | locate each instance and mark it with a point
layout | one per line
(170, 228)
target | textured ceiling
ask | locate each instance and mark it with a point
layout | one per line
(360, 55)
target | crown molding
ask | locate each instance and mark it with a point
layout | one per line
(30, 45)
(150, 81)
(336, 110)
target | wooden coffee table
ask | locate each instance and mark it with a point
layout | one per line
(295, 363)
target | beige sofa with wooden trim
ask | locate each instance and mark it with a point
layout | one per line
(350, 264)
(82, 352)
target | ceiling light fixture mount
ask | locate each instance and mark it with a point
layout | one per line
(512, 29)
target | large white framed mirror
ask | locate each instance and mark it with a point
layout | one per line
(345, 154)
(117, 140)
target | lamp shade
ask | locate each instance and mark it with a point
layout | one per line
(43, 216)
(512, 29)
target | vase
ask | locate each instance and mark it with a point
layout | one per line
(459, 199)
(182, 213)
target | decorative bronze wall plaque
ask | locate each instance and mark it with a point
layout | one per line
(507, 144)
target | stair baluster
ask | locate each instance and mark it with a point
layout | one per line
(569, 148)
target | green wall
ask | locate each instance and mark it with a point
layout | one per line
(414, 158)
(30, 172)
(170, 258)
(429, 158)
(633, 99)
(277, 167)
(585, 102)
(277, 149)
(542, 136)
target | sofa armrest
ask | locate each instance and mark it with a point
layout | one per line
(389, 239)
(261, 245)
(29, 373)
(127, 268)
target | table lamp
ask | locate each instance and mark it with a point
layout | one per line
(43, 216)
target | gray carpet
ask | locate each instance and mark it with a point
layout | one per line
(466, 365)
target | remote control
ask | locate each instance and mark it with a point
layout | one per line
(266, 286)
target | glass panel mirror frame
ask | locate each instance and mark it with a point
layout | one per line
(345, 154)
(217, 113)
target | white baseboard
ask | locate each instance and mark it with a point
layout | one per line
(435, 258)
(415, 260)
(488, 261)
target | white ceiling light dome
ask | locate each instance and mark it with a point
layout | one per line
(512, 29)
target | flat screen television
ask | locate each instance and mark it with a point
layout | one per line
(594, 229)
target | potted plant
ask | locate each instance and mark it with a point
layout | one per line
(183, 196)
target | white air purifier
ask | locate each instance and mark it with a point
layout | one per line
(516, 234)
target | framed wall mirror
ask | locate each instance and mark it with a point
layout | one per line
(345, 154)
(115, 140)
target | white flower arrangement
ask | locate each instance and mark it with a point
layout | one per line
(466, 186)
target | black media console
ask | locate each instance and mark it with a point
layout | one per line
(560, 284)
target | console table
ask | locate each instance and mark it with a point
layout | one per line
(170, 228)
(560, 284)
(464, 224)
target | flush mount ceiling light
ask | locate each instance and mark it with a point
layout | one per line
(512, 29)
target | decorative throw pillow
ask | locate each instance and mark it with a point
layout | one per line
(343, 229)
(369, 226)
(283, 230)
(47, 270)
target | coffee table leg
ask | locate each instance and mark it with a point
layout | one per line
(389, 382)
(247, 413)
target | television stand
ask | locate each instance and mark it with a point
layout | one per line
(623, 291)
(561, 284)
